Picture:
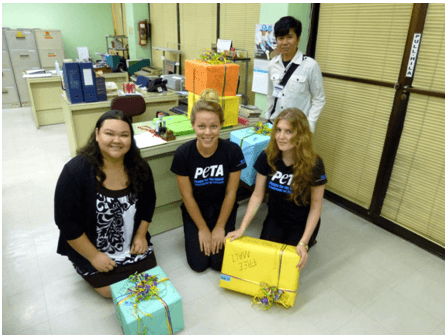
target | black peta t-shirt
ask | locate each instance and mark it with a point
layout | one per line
(208, 176)
(278, 185)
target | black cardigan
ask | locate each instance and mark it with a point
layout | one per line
(75, 207)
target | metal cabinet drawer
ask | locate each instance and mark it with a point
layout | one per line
(48, 39)
(49, 56)
(24, 59)
(6, 61)
(8, 78)
(21, 39)
(10, 97)
(4, 45)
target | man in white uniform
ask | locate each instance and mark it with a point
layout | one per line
(304, 89)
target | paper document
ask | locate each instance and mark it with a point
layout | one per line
(37, 75)
(147, 139)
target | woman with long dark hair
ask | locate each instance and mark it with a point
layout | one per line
(294, 176)
(104, 203)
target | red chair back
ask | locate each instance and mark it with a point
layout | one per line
(132, 105)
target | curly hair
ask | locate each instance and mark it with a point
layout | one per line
(305, 157)
(134, 164)
(208, 101)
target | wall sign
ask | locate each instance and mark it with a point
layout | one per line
(413, 55)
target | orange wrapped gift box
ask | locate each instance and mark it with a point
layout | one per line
(200, 76)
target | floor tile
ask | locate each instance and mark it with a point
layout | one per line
(245, 330)
(20, 277)
(388, 269)
(193, 286)
(86, 320)
(440, 330)
(356, 285)
(425, 293)
(39, 329)
(55, 267)
(362, 324)
(69, 293)
(434, 268)
(325, 307)
(211, 314)
(22, 311)
(284, 321)
(401, 316)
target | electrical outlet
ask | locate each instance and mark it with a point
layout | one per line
(130, 30)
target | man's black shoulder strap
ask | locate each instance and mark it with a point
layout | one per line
(284, 81)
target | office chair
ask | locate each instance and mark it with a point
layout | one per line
(131, 105)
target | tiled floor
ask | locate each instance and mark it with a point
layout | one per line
(360, 279)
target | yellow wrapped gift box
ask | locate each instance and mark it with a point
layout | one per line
(250, 263)
(230, 105)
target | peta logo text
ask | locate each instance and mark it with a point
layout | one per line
(210, 171)
(283, 179)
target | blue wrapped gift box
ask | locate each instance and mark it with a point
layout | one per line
(251, 144)
(166, 312)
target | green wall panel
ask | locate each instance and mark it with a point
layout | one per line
(82, 24)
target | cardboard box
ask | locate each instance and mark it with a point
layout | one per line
(251, 145)
(230, 105)
(249, 262)
(163, 319)
(200, 76)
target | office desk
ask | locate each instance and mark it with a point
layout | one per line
(44, 95)
(167, 214)
(80, 119)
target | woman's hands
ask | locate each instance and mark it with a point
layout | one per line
(102, 262)
(140, 244)
(211, 242)
(205, 240)
(235, 234)
(302, 252)
(217, 239)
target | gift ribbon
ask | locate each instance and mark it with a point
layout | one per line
(268, 295)
(262, 128)
(242, 139)
(146, 289)
(213, 58)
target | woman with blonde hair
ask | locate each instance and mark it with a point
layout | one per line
(208, 171)
(294, 176)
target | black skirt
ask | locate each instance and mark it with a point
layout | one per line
(119, 273)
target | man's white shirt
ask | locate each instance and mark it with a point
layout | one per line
(304, 89)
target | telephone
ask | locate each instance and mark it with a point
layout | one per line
(143, 32)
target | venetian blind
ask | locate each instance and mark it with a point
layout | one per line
(198, 29)
(237, 23)
(164, 31)
(430, 68)
(362, 40)
(350, 134)
(366, 41)
(120, 24)
(416, 192)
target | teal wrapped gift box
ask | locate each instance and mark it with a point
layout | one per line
(251, 144)
(166, 312)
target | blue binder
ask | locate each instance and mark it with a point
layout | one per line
(73, 85)
(101, 89)
(88, 78)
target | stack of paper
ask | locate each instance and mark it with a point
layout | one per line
(147, 139)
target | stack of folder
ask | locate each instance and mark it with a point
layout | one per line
(81, 84)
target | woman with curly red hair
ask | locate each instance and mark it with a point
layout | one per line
(294, 176)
